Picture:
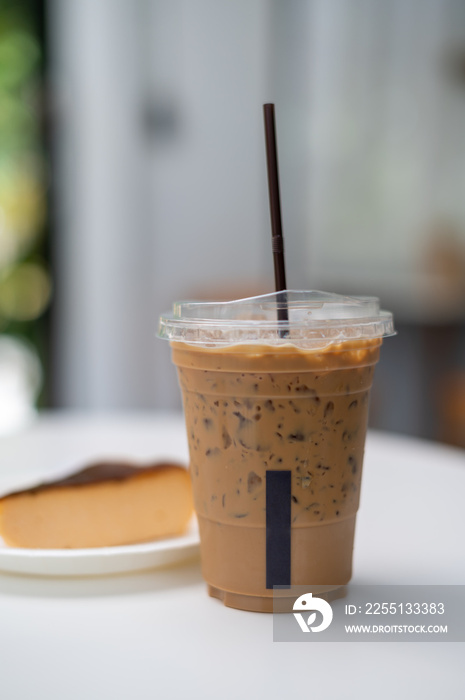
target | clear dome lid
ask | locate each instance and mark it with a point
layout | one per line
(311, 316)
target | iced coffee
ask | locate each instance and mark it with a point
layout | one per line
(294, 402)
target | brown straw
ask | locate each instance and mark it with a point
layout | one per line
(275, 210)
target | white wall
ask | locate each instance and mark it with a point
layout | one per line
(103, 248)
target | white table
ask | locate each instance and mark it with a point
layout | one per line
(156, 634)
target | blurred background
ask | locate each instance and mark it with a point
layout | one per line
(132, 173)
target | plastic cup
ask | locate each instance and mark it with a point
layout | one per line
(276, 417)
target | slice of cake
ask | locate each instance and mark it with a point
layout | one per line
(103, 505)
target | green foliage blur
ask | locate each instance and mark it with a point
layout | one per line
(25, 283)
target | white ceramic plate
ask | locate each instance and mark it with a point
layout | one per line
(100, 561)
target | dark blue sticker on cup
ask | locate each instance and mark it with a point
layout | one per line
(278, 528)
